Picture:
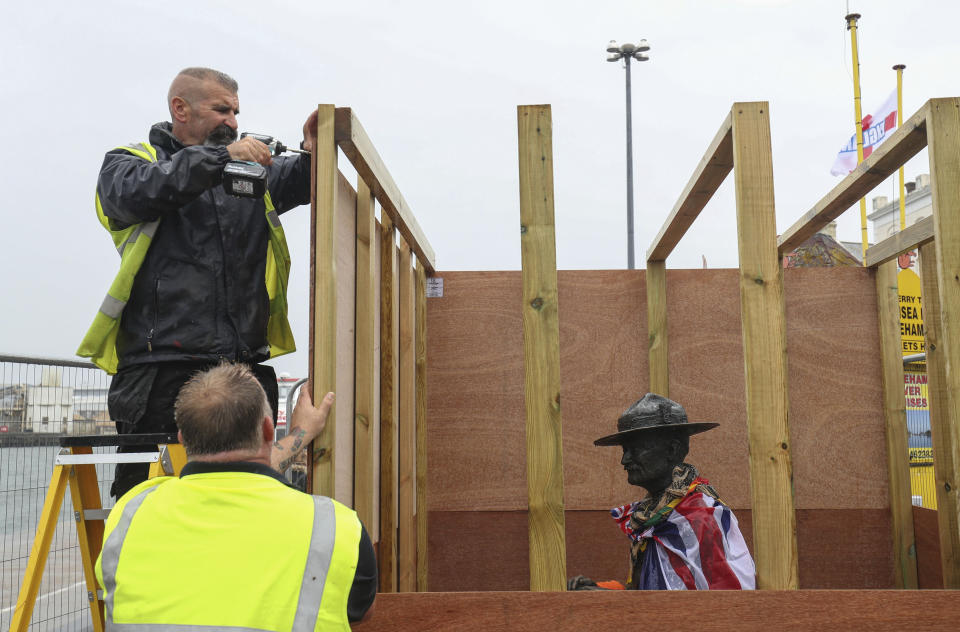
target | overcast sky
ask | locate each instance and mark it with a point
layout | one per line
(436, 85)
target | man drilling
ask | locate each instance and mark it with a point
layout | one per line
(203, 274)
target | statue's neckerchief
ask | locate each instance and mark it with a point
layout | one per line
(636, 517)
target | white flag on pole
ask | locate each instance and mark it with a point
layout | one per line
(876, 128)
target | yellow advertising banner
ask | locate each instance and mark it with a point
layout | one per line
(911, 312)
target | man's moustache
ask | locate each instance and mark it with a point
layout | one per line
(221, 135)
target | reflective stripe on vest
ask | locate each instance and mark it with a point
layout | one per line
(100, 342)
(327, 517)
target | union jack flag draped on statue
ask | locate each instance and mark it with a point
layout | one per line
(876, 128)
(697, 546)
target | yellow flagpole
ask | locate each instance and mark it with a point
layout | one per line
(903, 205)
(852, 27)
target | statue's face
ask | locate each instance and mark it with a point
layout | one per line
(649, 460)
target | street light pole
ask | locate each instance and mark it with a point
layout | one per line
(627, 52)
(630, 258)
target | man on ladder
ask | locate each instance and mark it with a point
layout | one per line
(203, 274)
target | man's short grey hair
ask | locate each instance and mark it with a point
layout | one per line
(221, 410)
(204, 74)
(189, 92)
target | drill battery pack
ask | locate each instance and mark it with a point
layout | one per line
(245, 179)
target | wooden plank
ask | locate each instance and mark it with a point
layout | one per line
(389, 405)
(345, 240)
(657, 327)
(902, 145)
(706, 179)
(421, 427)
(367, 337)
(945, 471)
(363, 156)
(895, 417)
(541, 345)
(907, 239)
(406, 431)
(323, 306)
(744, 611)
(764, 351)
(943, 127)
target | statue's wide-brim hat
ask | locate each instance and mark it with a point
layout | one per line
(653, 412)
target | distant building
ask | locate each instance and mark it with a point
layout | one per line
(917, 202)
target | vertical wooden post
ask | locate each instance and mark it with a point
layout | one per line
(943, 138)
(541, 345)
(944, 468)
(389, 403)
(323, 308)
(365, 361)
(421, 386)
(659, 364)
(764, 351)
(406, 431)
(895, 415)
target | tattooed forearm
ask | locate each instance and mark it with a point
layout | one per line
(299, 440)
(286, 450)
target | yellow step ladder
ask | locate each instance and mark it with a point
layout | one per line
(75, 466)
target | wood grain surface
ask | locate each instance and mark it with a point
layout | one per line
(765, 350)
(421, 426)
(541, 347)
(323, 308)
(475, 430)
(406, 427)
(943, 132)
(927, 533)
(895, 415)
(487, 550)
(475, 375)
(389, 405)
(761, 611)
(367, 340)
(945, 472)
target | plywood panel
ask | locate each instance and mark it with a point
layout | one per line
(486, 550)
(835, 394)
(812, 611)
(475, 373)
(927, 534)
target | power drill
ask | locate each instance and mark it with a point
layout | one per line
(244, 178)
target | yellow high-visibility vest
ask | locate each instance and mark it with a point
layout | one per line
(200, 551)
(132, 242)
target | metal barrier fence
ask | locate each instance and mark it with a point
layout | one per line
(40, 401)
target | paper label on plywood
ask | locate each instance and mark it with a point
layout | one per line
(434, 287)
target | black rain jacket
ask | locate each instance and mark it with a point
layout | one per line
(200, 294)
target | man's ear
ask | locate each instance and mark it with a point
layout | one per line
(266, 426)
(179, 109)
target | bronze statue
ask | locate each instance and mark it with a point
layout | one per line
(682, 535)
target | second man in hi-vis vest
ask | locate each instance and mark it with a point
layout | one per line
(203, 274)
(202, 552)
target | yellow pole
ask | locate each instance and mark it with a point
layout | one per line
(852, 27)
(903, 206)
